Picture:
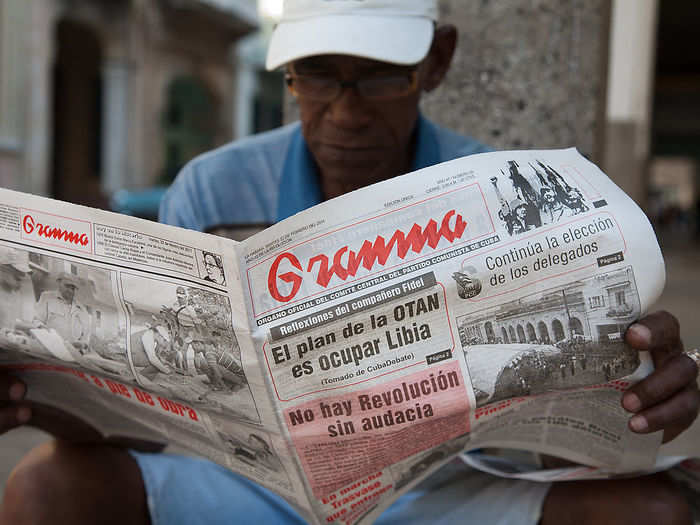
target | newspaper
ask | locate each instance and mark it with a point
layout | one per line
(344, 354)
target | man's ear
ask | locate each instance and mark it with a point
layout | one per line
(440, 56)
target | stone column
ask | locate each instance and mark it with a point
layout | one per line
(246, 85)
(115, 125)
(39, 121)
(13, 25)
(630, 88)
(527, 73)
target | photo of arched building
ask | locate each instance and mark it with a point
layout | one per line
(596, 309)
(562, 337)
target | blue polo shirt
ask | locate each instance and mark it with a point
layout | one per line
(260, 180)
(268, 177)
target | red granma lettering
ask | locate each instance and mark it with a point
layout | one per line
(28, 224)
(51, 232)
(288, 277)
(369, 254)
(379, 251)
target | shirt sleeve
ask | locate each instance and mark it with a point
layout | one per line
(177, 207)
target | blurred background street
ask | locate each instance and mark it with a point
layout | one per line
(102, 102)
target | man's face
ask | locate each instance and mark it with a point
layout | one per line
(573, 195)
(213, 270)
(356, 141)
(67, 290)
(10, 279)
(521, 212)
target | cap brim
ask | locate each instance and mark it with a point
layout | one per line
(403, 41)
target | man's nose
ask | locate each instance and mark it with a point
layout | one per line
(350, 109)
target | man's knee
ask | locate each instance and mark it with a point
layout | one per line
(650, 499)
(62, 483)
(666, 504)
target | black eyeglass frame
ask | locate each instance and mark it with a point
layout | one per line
(290, 76)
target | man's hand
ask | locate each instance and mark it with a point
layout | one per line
(668, 399)
(13, 411)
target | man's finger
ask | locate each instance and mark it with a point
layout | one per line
(14, 416)
(11, 388)
(677, 412)
(675, 374)
(658, 333)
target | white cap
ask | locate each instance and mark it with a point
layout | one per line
(394, 31)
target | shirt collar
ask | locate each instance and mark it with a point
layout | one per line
(299, 185)
(427, 148)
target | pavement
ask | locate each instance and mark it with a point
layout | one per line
(680, 297)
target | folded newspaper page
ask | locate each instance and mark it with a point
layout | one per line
(344, 354)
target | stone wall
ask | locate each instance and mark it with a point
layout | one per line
(527, 73)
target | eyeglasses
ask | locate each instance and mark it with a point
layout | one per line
(325, 88)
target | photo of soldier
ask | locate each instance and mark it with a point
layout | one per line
(519, 220)
(219, 365)
(574, 201)
(62, 310)
(185, 316)
(536, 196)
(526, 195)
(151, 349)
(552, 209)
(182, 345)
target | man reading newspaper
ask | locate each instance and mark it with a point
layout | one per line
(358, 69)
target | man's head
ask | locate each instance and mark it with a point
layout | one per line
(519, 208)
(13, 269)
(358, 68)
(181, 295)
(548, 195)
(573, 196)
(213, 267)
(10, 278)
(67, 285)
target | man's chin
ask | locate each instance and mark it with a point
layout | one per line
(334, 156)
(354, 177)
